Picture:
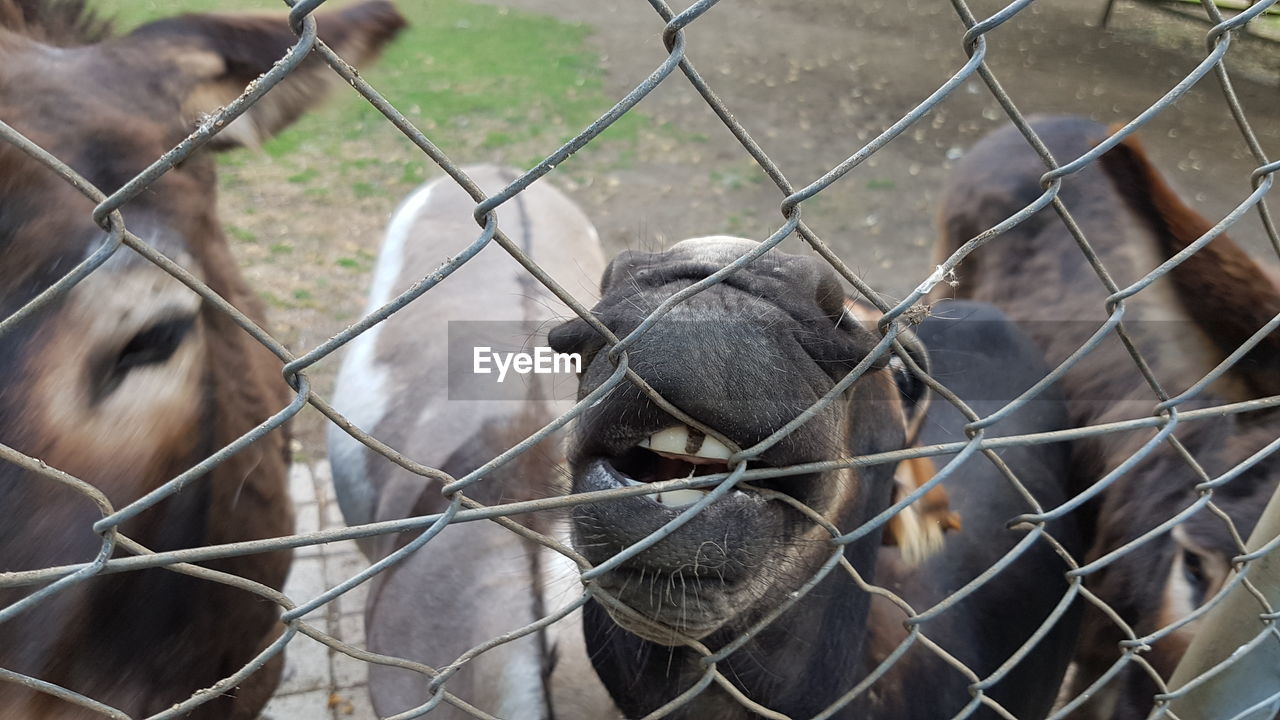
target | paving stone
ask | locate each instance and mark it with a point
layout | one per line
(351, 628)
(306, 518)
(352, 601)
(320, 683)
(348, 672)
(313, 705)
(322, 478)
(306, 581)
(302, 487)
(339, 567)
(343, 546)
(353, 704)
(306, 667)
(331, 515)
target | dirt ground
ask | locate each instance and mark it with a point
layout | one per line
(812, 82)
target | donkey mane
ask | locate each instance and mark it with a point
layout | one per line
(63, 23)
(1219, 287)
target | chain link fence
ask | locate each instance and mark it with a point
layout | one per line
(1168, 411)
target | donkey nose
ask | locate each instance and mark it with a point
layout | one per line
(721, 249)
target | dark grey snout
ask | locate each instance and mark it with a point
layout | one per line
(745, 357)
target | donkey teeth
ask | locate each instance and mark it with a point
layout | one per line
(679, 498)
(674, 442)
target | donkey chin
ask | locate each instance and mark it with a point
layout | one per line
(706, 573)
(717, 357)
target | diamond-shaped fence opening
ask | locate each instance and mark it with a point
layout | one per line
(1227, 671)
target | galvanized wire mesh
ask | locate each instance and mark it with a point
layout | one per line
(1167, 411)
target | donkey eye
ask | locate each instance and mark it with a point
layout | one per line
(153, 345)
(1193, 570)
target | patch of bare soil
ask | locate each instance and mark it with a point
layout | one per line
(814, 81)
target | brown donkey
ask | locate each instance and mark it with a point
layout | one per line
(1183, 324)
(129, 378)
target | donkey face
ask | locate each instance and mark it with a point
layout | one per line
(1159, 584)
(743, 357)
(128, 379)
(108, 380)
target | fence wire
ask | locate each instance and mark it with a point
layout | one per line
(1167, 412)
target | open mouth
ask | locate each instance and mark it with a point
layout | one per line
(673, 453)
(713, 552)
(698, 575)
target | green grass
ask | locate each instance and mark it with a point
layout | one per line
(130, 13)
(1234, 5)
(304, 177)
(413, 173)
(472, 77)
(241, 234)
(521, 75)
(735, 178)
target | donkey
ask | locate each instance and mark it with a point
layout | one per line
(425, 397)
(744, 357)
(1183, 325)
(130, 379)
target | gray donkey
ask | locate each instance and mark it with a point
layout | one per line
(418, 383)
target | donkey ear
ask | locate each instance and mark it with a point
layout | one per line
(212, 58)
(1228, 295)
